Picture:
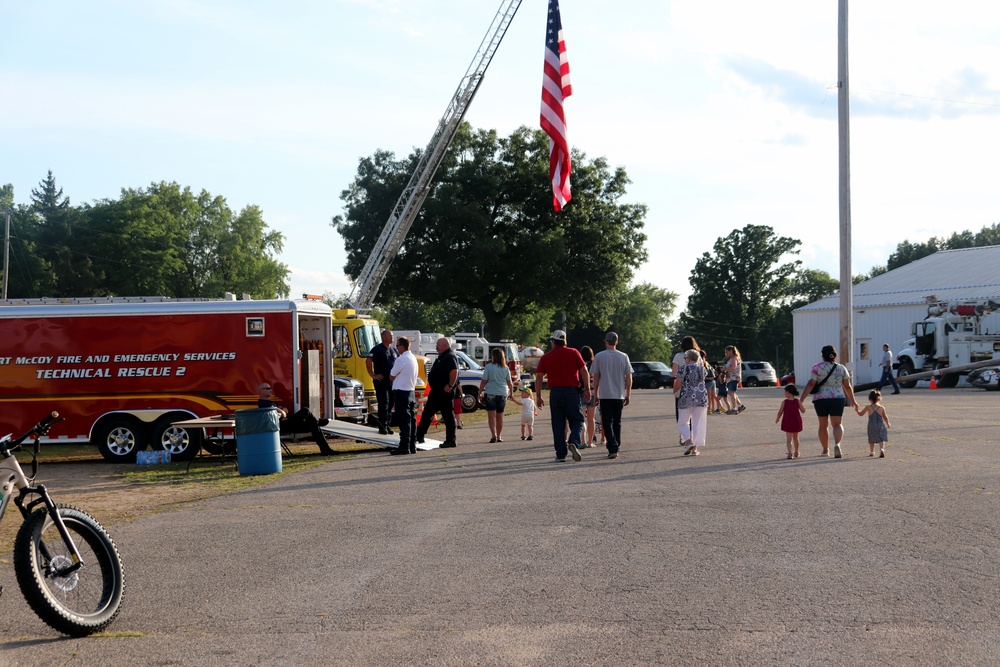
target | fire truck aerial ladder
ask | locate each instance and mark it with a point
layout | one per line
(412, 199)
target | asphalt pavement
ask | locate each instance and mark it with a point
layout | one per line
(492, 554)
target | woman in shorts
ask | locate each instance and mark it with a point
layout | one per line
(830, 387)
(494, 389)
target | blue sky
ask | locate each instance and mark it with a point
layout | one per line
(724, 113)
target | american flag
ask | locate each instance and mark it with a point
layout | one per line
(555, 88)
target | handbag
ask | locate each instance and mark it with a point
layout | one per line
(815, 389)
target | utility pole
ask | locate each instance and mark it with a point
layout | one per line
(844, 118)
(6, 250)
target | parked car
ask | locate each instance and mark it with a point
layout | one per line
(985, 378)
(470, 374)
(787, 379)
(349, 403)
(651, 374)
(759, 373)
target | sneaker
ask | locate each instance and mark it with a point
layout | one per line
(690, 450)
(837, 454)
(560, 460)
(492, 440)
(613, 455)
(741, 408)
(695, 453)
(530, 438)
(688, 443)
(732, 412)
(825, 455)
(447, 444)
(420, 439)
(458, 426)
(522, 437)
(881, 454)
(575, 452)
(896, 392)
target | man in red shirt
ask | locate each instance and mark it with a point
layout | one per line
(567, 374)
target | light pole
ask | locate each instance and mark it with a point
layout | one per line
(6, 250)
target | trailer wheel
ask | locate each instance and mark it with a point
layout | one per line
(120, 438)
(905, 368)
(181, 443)
(470, 400)
(948, 381)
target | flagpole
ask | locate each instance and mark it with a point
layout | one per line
(844, 125)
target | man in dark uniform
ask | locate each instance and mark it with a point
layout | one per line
(379, 363)
(442, 380)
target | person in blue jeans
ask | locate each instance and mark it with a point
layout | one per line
(887, 376)
(567, 374)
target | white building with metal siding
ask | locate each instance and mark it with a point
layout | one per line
(886, 306)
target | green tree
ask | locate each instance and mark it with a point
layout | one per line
(640, 320)
(58, 238)
(166, 240)
(28, 274)
(487, 237)
(907, 252)
(737, 290)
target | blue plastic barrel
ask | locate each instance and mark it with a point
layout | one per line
(258, 442)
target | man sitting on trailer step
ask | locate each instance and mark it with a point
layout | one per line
(302, 421)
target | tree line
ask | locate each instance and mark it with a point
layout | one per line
(163, 240)
(486, 254)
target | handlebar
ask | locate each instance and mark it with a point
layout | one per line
(38, 430)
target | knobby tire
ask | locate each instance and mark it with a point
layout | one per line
(84, 602)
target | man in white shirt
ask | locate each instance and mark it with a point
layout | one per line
(404, 381)
(611, 374)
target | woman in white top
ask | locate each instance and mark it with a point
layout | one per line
(734, 375)
(687, 343)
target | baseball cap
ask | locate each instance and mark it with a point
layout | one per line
(558, 334)
(611, 337)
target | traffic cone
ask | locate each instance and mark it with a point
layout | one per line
(933, 382)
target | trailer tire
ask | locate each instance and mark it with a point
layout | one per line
(948, 381)
(183, 444)
(470, 400)
(905, 368)
(121, 438)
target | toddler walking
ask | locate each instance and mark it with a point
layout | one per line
(878, 423)
(790, 416)
(528, 413)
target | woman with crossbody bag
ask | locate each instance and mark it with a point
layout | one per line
(830, 387)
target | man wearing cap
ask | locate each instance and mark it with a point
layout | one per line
(611, 373)
(567, 373)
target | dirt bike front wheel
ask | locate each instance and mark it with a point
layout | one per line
(76, 603)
